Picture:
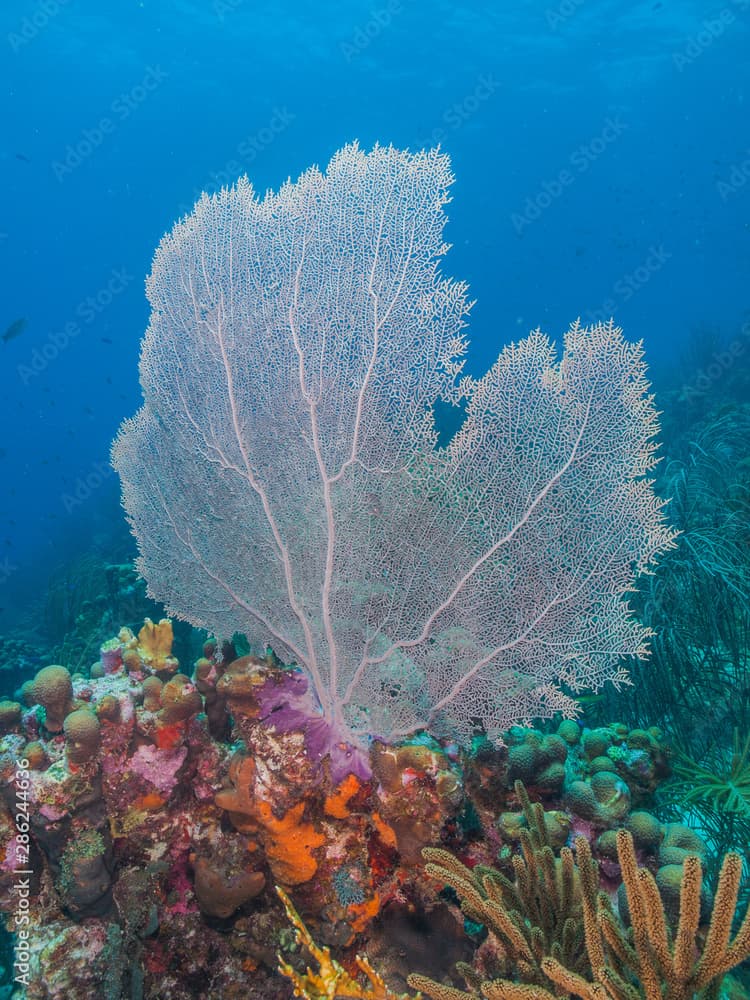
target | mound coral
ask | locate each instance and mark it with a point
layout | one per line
(151, 690)
(81, 730)
(225, 880)
(179, 699)
(53, 690)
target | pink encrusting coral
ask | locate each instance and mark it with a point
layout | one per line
(284, 477)
(158, 767)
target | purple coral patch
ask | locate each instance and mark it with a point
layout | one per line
(288, 704)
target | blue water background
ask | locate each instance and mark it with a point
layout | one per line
(601, 150)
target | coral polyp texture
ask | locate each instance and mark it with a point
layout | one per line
(284, 477)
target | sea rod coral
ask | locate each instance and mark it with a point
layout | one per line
(285, 478)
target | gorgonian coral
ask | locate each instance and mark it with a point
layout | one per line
(284, 477)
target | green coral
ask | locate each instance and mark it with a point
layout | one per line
(88, 844)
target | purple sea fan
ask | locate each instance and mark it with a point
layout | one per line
(284, 478)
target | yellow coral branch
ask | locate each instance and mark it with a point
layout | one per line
(332, 981)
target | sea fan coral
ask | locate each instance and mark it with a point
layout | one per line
(284, 476)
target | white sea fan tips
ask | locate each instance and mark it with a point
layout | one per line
(283, 476)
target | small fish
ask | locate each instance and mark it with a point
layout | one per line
(106, 340)
(24, 157)
(15, 329)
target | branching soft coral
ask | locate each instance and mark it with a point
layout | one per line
(649, 960)
(537, 915)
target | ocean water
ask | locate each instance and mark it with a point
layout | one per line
(601, 152)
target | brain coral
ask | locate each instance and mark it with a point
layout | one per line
(81, 735)
(53, 690)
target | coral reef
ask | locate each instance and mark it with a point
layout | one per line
(697, 686)
(553, 930)
(129, 785)
(165, 803)
(536, 915)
